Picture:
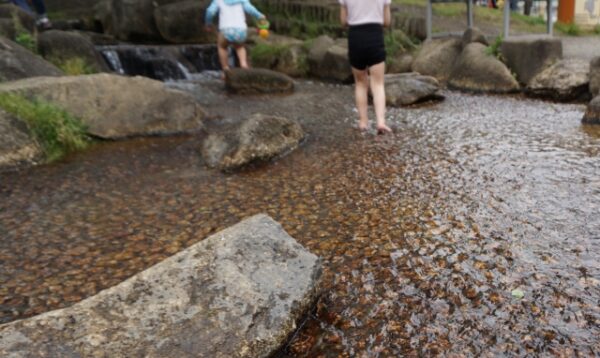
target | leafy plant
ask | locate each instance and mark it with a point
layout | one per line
(57, 132)
(494, 48)
(266, 55)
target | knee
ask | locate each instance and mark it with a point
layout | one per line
(361, 78)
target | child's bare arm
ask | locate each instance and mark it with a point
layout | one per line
(253, 11)
(344, 15)
(211, 11)
(387, 16)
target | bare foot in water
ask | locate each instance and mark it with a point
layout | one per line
(363, 126)
(383, 129)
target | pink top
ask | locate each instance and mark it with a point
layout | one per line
(365, 11)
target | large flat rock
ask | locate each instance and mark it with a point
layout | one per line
(527, 56)
(114, 106)
(236, 294)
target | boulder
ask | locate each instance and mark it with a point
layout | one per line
(16, 145)
(595, 76)
(592, 114)
(26, 21)
(7, 29)
(566, 80)
(436, 58)
(283, 54)
(328, 59)
(116, 107)
(400, 64)
(60, 47)
(132, 20)
(527, 56)
(477, 71)
(409, 88)
(237, 293)
(258, 139)
(183, 22)
(17, 62)
(473, 34)
(257, 81)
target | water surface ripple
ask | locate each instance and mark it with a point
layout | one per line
(424, 234)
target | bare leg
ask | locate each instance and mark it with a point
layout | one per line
(377, 73)
(361, 88)
(223, 46)
(240, 50)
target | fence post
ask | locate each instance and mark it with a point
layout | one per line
(469, 13)
(506, 18)
(549, 23)
(428, 17)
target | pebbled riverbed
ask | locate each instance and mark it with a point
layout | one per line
(425, 233)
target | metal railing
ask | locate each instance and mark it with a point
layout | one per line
(506, 17)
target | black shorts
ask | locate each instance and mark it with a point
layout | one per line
(365, 45)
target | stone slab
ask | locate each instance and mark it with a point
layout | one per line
(238, 293)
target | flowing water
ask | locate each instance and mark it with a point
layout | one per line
(425, 234)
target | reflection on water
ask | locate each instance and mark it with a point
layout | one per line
(424, 233)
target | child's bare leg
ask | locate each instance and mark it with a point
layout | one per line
(223, 46)
(240, 50)
(361, 88)
(377, 73)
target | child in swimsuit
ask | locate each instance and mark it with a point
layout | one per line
(366, 50)
(232, 27)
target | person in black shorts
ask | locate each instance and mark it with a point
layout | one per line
(366, 51)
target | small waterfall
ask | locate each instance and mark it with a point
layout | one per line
(113, 61)
(164, 63)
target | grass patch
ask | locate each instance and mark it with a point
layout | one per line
(26, 40)
(596, 30)
(397, 42)
(266, 55)
(74, 66)
(571, 29)
(57, 132)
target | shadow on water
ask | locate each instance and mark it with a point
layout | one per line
(424, 233)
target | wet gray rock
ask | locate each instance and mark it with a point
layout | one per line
(477, 71)
(114, 106)
(409, 88)
(328, 59)
(17, 62)
(437, 57)
(236, 294)
(595, 76)
(258, 139)
(527, 56)
(62, 46)
(257, 81)
(592, 114)
(16, 144)
(566, 80)
(474, 35)
(182, 22)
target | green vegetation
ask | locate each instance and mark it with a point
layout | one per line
(494, 48)
(57, 132)
(266, 55)
(74, 66)
(596, 30)
(397, 42)
(571, 29)
(26, 40)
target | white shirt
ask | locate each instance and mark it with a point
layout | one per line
(365, 11)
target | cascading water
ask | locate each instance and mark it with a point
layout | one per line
(162, 63)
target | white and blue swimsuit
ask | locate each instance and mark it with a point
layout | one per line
(232, 18)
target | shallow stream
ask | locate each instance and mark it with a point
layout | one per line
(425, 233)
